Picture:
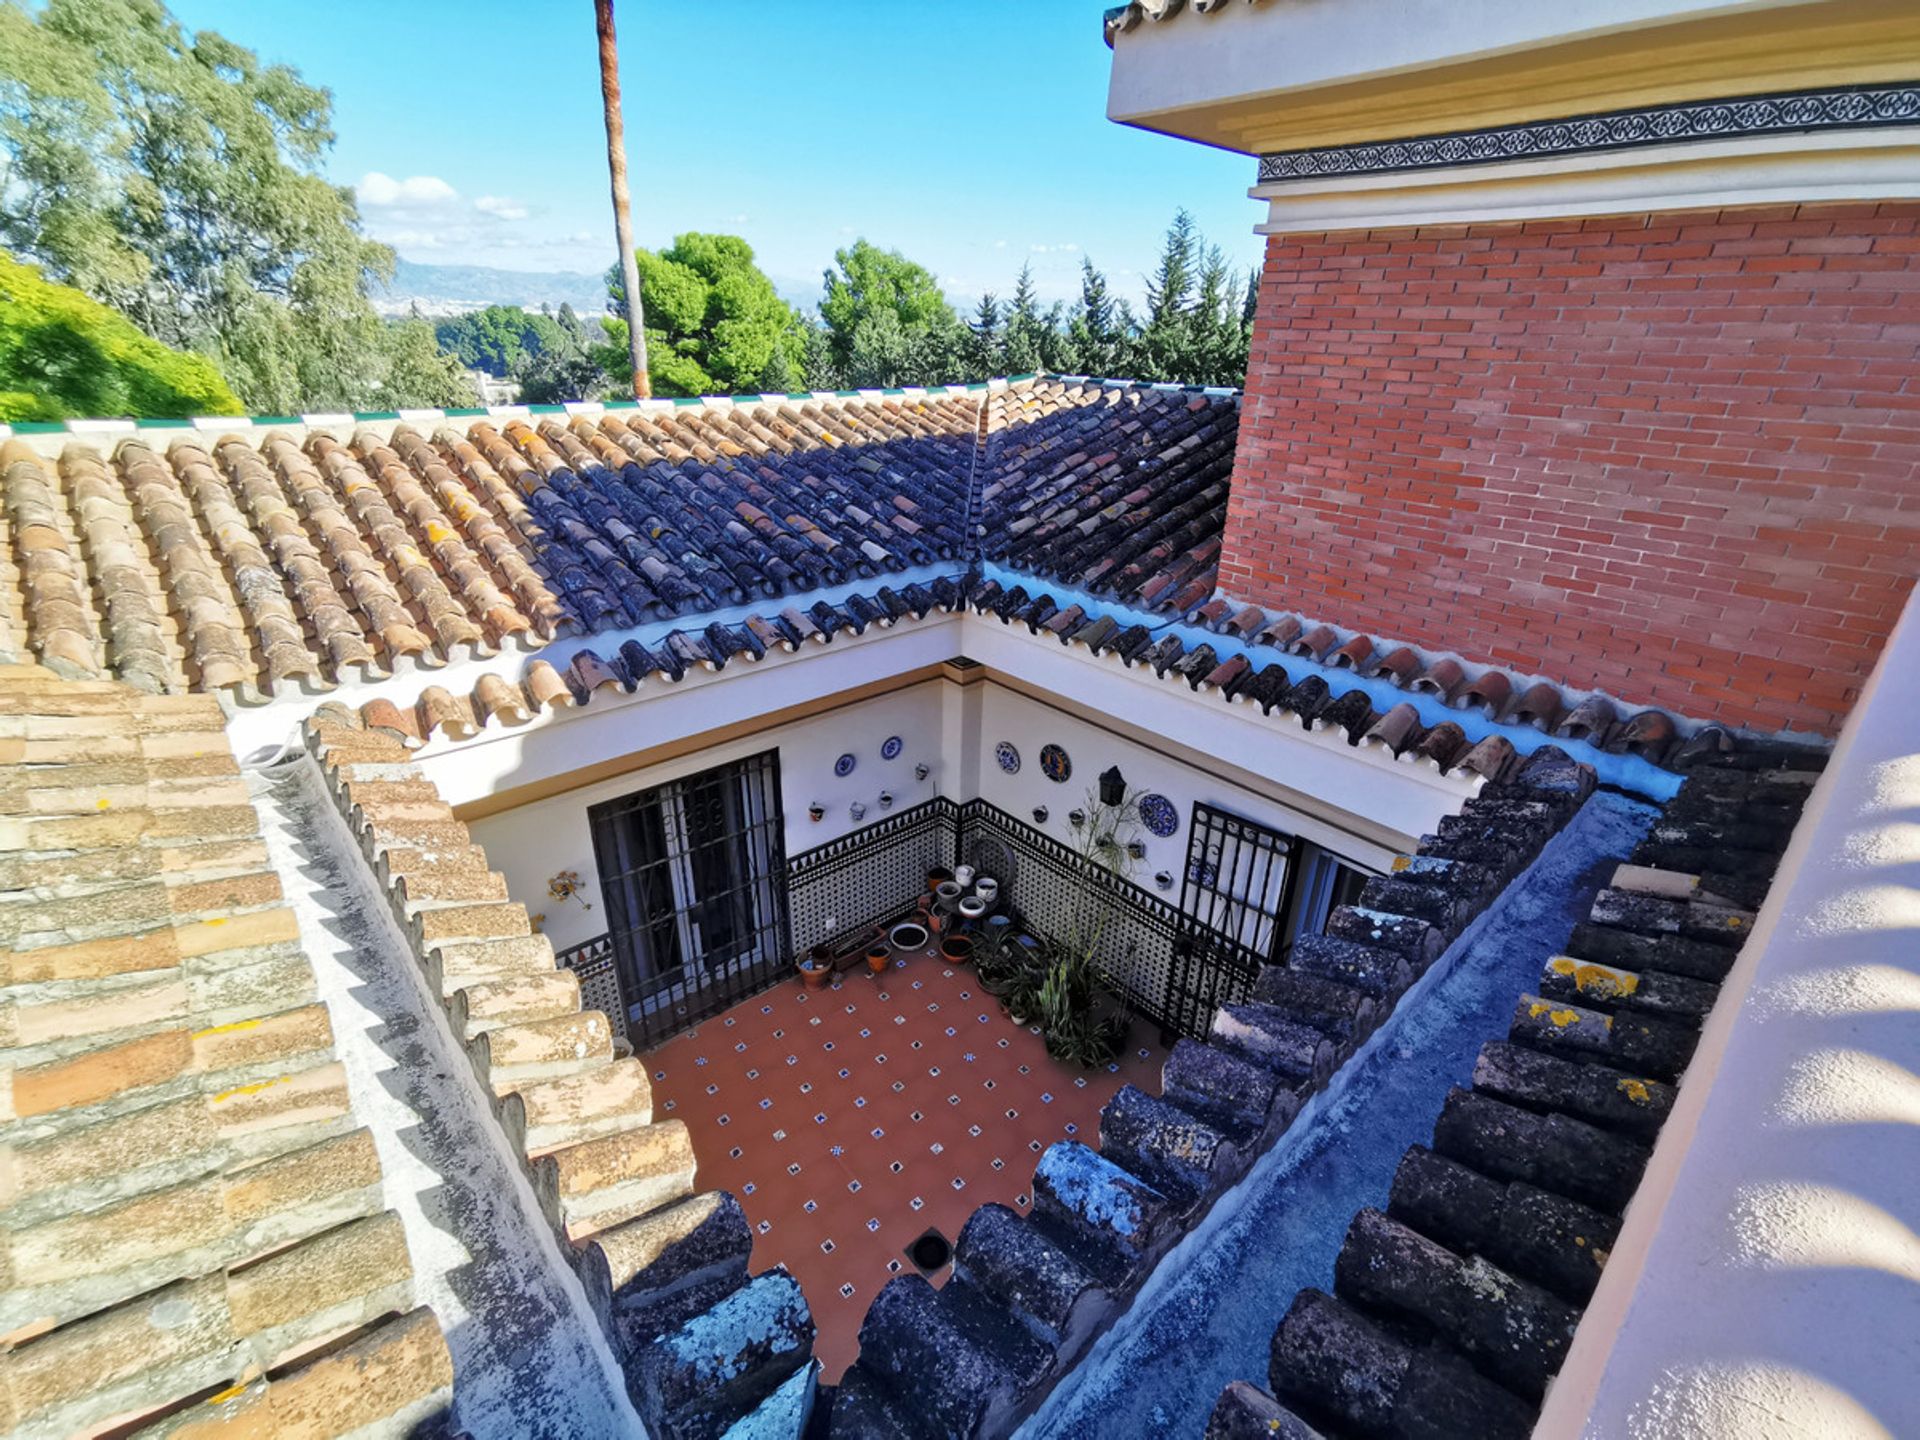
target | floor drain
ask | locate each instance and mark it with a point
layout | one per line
(930, 1252)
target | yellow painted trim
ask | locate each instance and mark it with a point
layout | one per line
(1843, 42)
(519, 795)
(962, 673)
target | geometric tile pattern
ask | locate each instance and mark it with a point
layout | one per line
(850, 1120)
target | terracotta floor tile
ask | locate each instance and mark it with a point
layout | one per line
(774, 1063)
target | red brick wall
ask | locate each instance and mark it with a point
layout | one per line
(1674, 457)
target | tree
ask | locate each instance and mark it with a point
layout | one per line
(1027, 332)
(555, 378)
(62, 355)
(1097, 333)
(177, 179)
(1195, 331)
(502, 339)
(887, 321)
(418, 371)
(715, 324)
(985, 352)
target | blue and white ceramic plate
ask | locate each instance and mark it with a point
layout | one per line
(1008, 755)
(843, 767)
(1203, 873)
(890, 748)
(1055, 764)
(1158, 815)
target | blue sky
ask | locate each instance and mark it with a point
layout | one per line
(971, 134)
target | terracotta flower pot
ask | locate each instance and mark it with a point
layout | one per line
(956, 949)
(879, 956)
(938, 876)
(814, 976)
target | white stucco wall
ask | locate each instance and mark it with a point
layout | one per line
(1029, 724)
(1767, 1281)
(533, 842)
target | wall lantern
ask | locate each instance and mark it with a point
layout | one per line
(1039, 814)
(1113, 787)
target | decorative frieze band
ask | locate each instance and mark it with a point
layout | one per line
(1854, 107)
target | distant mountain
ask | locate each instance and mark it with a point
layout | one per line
(454, 289)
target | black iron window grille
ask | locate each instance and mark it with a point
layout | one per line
(693, 873)
(835, 891)
(1233, 903)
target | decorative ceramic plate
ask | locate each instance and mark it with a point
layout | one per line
(890, 748)
(843, 767)
(1158, 815)
(1055, 764)
(1008, 756)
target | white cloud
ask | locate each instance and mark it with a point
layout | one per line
(500, 207)
(383, 192)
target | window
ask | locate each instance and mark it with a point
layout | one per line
(694, 878)
(1326, 882)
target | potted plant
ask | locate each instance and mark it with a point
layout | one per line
(816, 967)
(956, 949)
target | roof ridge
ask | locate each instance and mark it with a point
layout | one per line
(103, 426)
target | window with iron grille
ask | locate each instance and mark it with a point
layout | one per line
(694, 876)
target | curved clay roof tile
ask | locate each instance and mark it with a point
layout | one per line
(1315, 643)
(545, 688)
(1399, 666)
(1540, 706)
(1489, 694)
(496, 699)
(440, 711)
(1649, 734)
(1352, 655)
(383, 714)
(1441, 678)
(1489, 759)
(1591, 720)
(1395, 730)
(1442, 746)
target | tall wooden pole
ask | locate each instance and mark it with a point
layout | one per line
(617, 175)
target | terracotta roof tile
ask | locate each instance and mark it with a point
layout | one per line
(179, 1129)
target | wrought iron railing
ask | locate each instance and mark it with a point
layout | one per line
(1157, 960)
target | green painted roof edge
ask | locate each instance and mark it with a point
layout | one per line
(213, 422)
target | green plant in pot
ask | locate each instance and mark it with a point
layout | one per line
(1072, 1006)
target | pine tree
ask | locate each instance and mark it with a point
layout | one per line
(984, 349)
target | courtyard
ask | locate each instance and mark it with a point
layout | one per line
(853, 1120)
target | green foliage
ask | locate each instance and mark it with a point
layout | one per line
(176, 178)
(715, 324)
(62, 355)
(418, 371)
(504, 340)
(887, 322)
(555, 379)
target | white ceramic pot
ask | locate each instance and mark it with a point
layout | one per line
(963, 875)
(987, 888)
